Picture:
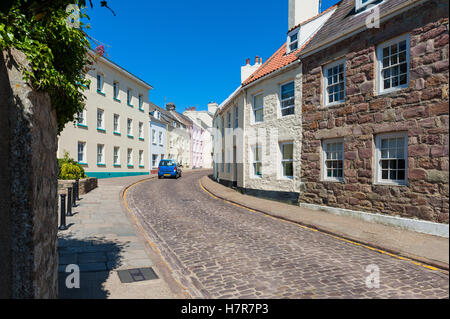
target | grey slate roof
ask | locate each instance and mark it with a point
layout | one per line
(345, 20)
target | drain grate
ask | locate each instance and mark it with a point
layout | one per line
(135, 275)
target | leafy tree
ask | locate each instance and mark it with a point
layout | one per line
(58, 53)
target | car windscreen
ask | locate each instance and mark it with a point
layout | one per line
(166, 163)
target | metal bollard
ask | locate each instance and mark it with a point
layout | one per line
(62, 225)
(77, 189)
(74, 198)
(69, 201)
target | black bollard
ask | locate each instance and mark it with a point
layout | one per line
(69, 201)
(74, 197)
(77, 188)
(62, 225)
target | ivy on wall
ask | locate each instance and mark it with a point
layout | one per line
(58, 53)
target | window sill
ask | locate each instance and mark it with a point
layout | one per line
(101, 164)
(117, 165)
(130, 136)
(404, 184)
(81, 163)
(392, 90)
(117, 133)
(129, 165)
(117, 100)
(101, 93)
(130, 105)
(331, 105)
(82, 125)
(141, 139)
(332, 181)
(101, 130)
(142, 110)
(141, 166)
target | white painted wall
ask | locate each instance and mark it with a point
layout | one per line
(72, 133)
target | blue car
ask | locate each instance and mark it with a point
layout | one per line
(169, 168)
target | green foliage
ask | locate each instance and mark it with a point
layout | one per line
(58, 53)
(69, 168)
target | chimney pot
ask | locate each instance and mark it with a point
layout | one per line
(248, 61)
(256, 59)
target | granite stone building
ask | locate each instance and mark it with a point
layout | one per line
(375, 114)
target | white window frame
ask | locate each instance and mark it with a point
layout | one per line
(287, 160)
(100, 82)
(324, 159)
(129, 96)
(160, 138)
(100, 154)
(359, 5)
(255, 150)
(236, 117)
(82, 117)
(326, 84)
(141, 158)
(129, 127)
(130, 157)
(141, 129)
(141, 102)
(153, 136)
(116, 90)
(154, 160)
(254, 108)
(83, 152)
(116, 155)
(282, 100)
(379, 53)
(116, 124)
(378, 168)
(291, 42)
(101, 119)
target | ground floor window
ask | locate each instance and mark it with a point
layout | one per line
(100, 157)
(154, 160)
(116, 157)
(257, 161)
(391, 158)
(287, 159)
(333, 160)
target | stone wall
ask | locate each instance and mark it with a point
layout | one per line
(421, 110)
(28, 186)
(85, 184)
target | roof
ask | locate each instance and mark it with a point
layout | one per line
(121, 69)
(314, 17)
(278, 60)
(345, 21)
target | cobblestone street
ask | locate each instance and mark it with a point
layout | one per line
(218, 250)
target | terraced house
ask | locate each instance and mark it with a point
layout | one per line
(375, 110)
(369, 129)
(110, 136)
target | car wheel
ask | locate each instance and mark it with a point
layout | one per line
(159, 177)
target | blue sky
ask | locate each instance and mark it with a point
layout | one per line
(190, 51)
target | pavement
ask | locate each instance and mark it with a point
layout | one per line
(424, 248)
(217, 249)
(101, 240)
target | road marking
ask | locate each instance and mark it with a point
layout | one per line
(147, 238)
(330, 235)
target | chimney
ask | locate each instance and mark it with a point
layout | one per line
(302, 10)
(170, 106)
(248, 69)
(212, 107)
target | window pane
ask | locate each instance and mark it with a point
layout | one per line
(288, 150)
(288, 169)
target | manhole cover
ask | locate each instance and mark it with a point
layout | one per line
(138, 274)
